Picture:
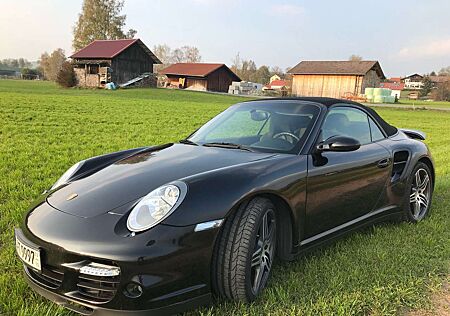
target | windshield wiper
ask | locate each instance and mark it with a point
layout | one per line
(227, 145)
(188, 142)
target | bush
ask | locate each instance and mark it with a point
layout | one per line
(66, 76)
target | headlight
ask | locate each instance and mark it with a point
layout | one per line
(66, 176)
(156, 206)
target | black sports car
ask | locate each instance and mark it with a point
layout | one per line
(162, 229)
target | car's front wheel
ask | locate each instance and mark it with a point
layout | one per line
(245, 251)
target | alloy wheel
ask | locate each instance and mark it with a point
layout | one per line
(263, 253)
(420, 194)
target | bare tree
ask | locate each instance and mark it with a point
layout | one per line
(163, 52)
(355, 58)
(444, 71)
(177, 56)
(236, 63)
(191, 54)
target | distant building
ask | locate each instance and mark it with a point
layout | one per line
(8, 73)
(413, 82)
(118, 61)
(200, 76)
(245, 88)
(396, 86)
(274, 77)
(335, 78)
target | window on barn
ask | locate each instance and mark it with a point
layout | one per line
(93, 69)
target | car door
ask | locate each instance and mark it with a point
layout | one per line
(343, 186)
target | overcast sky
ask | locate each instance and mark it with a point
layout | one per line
(406, 36)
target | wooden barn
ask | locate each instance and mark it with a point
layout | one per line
(200, 76)
(335, 79)
(117, 61)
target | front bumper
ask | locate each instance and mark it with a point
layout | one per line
(171, 264)
(86, 309)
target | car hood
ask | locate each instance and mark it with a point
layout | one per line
(133, 177)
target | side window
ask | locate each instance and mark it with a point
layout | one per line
(375, 131)
(346, 121)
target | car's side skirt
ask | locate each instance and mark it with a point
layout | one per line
(357, 222)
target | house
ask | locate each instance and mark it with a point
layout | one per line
(413, 82)
(278, 86)
(200, 76)
(396, 86)
(118, 61)
(274, 77)
(335, 79)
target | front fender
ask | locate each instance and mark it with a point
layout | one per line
(213, 195)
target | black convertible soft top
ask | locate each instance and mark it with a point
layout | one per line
(388, 129)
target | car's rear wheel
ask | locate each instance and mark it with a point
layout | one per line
(245, 252)
(420, 193)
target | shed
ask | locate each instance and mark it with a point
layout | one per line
(335, 78)
(200, 76)
(118, 61)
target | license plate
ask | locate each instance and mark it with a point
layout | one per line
(29, 255)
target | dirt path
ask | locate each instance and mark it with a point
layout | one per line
(440, 304)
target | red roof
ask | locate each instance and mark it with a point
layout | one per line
(110, 49)
(277, 83)
(392, 85)
(194, 69)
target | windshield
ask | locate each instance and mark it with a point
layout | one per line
(278, 126)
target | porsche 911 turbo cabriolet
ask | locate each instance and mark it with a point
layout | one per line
(162, 229)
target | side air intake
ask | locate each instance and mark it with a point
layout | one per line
(400, 160)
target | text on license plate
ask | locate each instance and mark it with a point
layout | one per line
(30, 256)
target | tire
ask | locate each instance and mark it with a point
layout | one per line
(243, 249)
(418, 196)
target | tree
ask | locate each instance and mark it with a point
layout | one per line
(177, 56)
(66, 75)
(433, 73)
(191, 54)
(277, 71)
(355, 58)
(163, 52)
(29, 74)
(427, 86)
(236, 63)
(263, 74)
(100, 19)
(445, 71)
(51, 64)
(442, 92)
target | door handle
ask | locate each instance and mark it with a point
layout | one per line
(383, 163)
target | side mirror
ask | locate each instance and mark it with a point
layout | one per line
(339, 143)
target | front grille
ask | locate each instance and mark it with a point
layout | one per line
(97, 290)
(49, 277)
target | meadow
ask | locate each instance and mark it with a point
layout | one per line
(386, 270)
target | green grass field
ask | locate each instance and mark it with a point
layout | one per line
(380, 271)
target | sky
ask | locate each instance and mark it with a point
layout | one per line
(405, 36)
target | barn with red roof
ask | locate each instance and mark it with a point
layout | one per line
(200, 76)
(118, 61)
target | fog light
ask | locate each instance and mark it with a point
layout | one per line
(98, 269)
(133, 290)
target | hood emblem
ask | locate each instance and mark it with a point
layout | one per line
(71, 196)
